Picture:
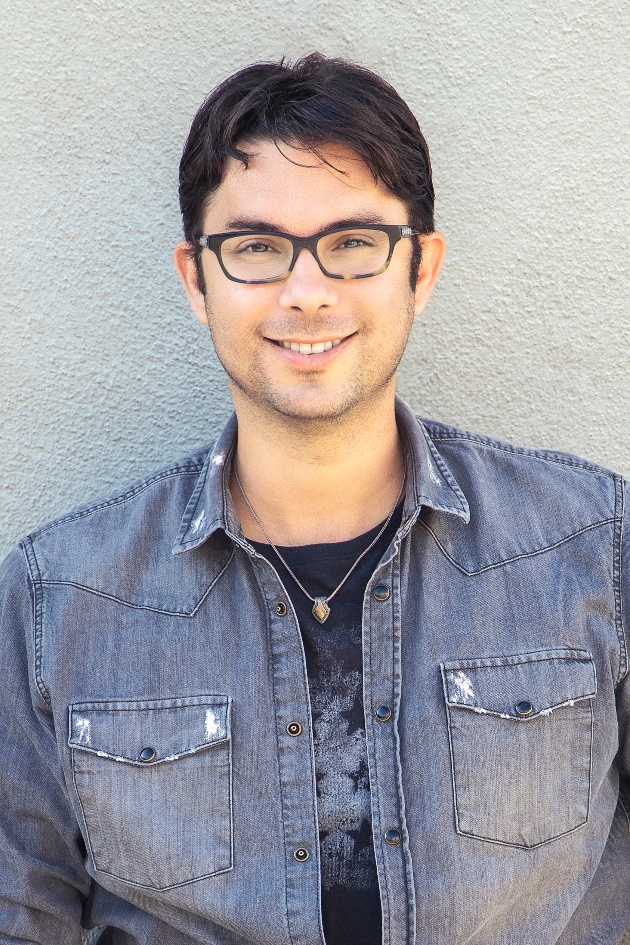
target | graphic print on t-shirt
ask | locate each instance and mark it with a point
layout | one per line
(343, 785)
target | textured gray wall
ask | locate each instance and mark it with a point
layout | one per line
(106, 375)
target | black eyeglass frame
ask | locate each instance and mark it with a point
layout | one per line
(395, 232)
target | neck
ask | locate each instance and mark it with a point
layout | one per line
(311, 483)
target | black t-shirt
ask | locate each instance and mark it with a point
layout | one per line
(351, 906)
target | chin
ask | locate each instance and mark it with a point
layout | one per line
(314, 411)
(325, 408)
(312, 403)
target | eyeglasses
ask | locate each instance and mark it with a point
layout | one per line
(341, 253)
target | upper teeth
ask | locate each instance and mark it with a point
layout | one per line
(317, 348)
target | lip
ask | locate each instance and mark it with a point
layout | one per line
(308, 360)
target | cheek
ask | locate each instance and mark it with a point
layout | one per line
(394, 307)
(233, 313)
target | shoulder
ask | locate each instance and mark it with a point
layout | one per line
(144, 515)
(522, 501)
(463, 449)
(165, 483)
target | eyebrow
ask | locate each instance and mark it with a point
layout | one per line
(264, 226)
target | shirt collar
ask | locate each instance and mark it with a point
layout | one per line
(429, 482)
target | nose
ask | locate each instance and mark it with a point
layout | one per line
(307, 289)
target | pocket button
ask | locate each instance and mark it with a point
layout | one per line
(147, 755)
(524, 707)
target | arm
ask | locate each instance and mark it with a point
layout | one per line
(605, 909)
(43, 881)
(623, 689)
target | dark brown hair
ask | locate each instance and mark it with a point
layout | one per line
(312, 103)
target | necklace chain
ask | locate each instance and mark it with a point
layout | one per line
(321, 605)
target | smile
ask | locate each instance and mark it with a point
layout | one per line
(317, 348)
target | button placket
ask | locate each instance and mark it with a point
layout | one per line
(297, 776)
(382, 676)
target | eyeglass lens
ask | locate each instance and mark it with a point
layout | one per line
(355, 252)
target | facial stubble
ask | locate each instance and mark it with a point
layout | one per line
(360, 391)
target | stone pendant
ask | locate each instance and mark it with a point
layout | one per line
(321, 609)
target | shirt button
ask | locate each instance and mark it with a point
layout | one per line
(381, 592)
(301, 855)
(281, 608)
(524, 707)
(147, 755)
(294, 729)
(392, 837)
(383, 713)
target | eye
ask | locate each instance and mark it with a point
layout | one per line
(350, 241)
(257, 247)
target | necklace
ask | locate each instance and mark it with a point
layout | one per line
(321, 605)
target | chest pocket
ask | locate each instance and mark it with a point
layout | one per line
(520, 730)
(154, 783)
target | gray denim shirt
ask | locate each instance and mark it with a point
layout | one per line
(152, 671)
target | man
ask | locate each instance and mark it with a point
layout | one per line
(344, 675)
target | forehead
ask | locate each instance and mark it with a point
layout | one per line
(298, 191)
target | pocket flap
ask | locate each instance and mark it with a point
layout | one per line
(151, 732)
(520, 687)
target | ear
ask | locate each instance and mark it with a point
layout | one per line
(187, 272)
(433, 250)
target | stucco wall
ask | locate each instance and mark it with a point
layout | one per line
(525, 105)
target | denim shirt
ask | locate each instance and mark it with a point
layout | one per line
(151, 777)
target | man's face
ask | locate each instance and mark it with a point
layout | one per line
(369, 320)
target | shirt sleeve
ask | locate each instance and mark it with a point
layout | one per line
(623, 689)
(43, 881)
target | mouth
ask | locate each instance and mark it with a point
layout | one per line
(316, 347)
